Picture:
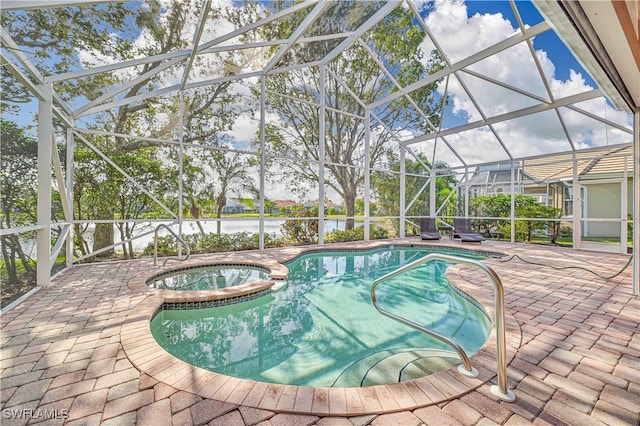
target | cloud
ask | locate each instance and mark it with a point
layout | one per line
(460, 36)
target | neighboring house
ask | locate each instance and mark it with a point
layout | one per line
(235, 207)
(327, 205)
(279, 204)
(607, 197)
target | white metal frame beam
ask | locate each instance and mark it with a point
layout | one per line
(204, 12)
(45, 143)
(580, 97)
(477, 57)
(9, 5)
(121, 88)
(636, 203)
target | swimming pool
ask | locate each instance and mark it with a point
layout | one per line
(211, 277)
(321, 329)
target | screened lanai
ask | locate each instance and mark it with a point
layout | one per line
(218, 118)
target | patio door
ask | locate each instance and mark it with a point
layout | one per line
(604, 215)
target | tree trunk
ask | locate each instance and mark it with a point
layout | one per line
(9, 262)
(120, 227)
(195, 213)
(79, 240)
(103, 237)
(222, 201)
(350, 203)
(129, 230)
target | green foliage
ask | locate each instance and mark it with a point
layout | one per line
(495, 206)
(300, 231)
(356, 234)
(18, 201)
(100, 191)
(213, 243)
(526, 230)
(60, 36)
(18, 176)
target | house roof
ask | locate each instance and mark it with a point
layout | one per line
(590, 163)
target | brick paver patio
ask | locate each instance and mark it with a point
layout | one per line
(578, 360)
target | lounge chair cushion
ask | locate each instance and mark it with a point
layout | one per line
(428, 229)
(464, 232)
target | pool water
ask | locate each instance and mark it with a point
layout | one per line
(208, 277)
(322, 329)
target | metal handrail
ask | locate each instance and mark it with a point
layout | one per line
(501, 391)
(155, 245)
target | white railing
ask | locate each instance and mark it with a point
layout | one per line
(501, 391)
(155, 245)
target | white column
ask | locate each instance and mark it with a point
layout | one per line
(263, 116)
(577, 205)
(367, 173)
(466, 191)
(403, 191)
(45, 141)
(321, 138)
(69, 188)
(636, 203)
(432, 190)
(180, 169)
(624, 207)
(513, 205)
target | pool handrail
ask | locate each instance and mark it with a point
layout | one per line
(501, 391)
(155, 245)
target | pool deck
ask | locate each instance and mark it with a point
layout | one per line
(80, 351)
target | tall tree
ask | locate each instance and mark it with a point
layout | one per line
(18, 176)
(396, 42)
(232, 173)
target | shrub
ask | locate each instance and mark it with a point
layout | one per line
(356, 234)
(213, 243)
(300, 231)
(566, 231)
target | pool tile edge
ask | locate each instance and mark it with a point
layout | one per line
(307, 400)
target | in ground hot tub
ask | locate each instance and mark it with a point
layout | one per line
(211, 277)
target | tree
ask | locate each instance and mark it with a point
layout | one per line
(131, 202)
(397, 42)
(98, 184)
(231, 173)
(56, 35)
(18, 173)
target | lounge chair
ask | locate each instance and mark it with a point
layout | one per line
(464, 232)
(428, 230)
